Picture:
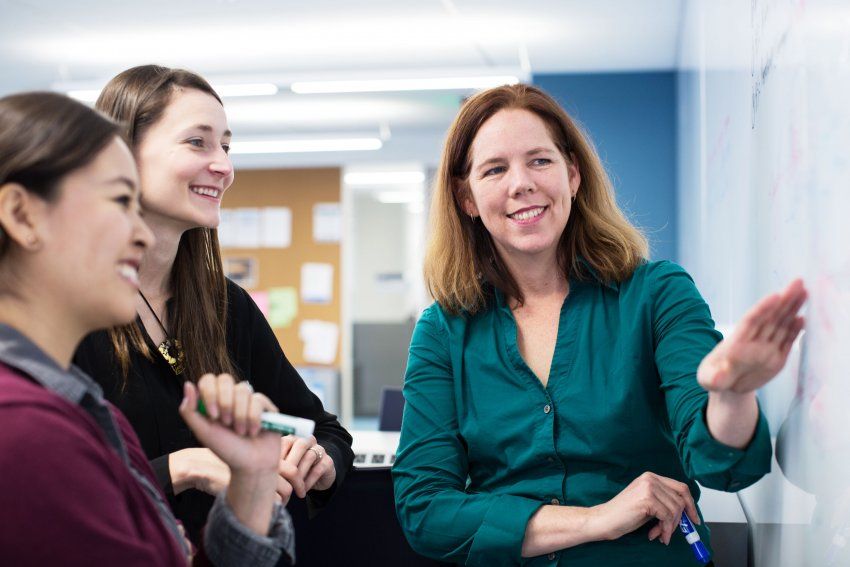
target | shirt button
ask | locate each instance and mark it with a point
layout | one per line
(555, 502)
(547, 408)
(551, 557)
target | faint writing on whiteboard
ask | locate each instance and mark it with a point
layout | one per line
(771, 24)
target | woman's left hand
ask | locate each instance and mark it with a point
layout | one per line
(758, 348)
(305, 465)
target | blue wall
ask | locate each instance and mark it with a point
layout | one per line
(631, 118)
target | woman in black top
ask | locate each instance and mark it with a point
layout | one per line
(191, 319)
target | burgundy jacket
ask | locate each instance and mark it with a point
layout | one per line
(66, 497)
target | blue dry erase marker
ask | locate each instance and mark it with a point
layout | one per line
(279, 422)
(691, 535)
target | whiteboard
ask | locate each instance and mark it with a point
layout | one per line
(764, 154)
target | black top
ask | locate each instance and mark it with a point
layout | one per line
(152, 393)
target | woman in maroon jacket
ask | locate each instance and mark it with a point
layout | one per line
(76, 487)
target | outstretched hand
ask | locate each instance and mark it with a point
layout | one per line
(758, 348)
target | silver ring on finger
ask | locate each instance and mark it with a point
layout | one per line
(249, 386)
(318, 453)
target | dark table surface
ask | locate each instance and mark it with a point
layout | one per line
(358, 527)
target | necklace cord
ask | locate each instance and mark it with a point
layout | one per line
(169, 348)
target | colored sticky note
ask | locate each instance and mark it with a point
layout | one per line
(283, 306)
(261, 298)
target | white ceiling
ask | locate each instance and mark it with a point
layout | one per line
(81, 43)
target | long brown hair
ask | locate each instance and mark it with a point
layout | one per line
(137, 98)
(461, 255)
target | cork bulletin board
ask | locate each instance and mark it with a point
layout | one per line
(274, 268)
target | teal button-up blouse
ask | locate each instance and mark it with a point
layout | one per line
(484, 444)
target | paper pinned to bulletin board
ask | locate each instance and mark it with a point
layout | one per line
(243, 270)
(246, 228)
(317, 282)
(321, 339)
(276, 227)
(327, 222)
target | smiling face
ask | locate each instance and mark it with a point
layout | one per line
(92, 240)
(520, 185)
(183, 161)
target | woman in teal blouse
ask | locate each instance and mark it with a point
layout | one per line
(555, 412)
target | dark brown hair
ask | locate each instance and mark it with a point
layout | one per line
(137, 98)
(45, 136)
(461, 255)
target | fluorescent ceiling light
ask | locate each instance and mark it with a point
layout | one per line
(224, 91)
(246, 89)
(308, 145)
(400, 197)
(378, 85)
(384, 177)
(85, 95)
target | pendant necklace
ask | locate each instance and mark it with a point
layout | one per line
(168, 348)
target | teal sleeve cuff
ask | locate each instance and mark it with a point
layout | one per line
(499, 539)
(726, 468)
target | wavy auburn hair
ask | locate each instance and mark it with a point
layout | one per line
(461, 257)
(137, 98)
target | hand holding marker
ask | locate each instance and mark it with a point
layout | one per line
(691, 535)
(279, 422)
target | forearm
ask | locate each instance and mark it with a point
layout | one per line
(251, 496)
(228, 543)
(553, 528)
(731, 417)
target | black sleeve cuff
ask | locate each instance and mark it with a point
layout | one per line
(318, 499)
(163, 475)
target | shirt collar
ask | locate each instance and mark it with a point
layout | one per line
(612, 285)
(21, 353)
(574, 283)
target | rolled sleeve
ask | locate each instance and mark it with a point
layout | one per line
(228, 543)
(722, 467)
(684, 334)
(502, 532)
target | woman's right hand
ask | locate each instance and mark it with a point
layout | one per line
(648, 497)
(200, 468)
(231, 429)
